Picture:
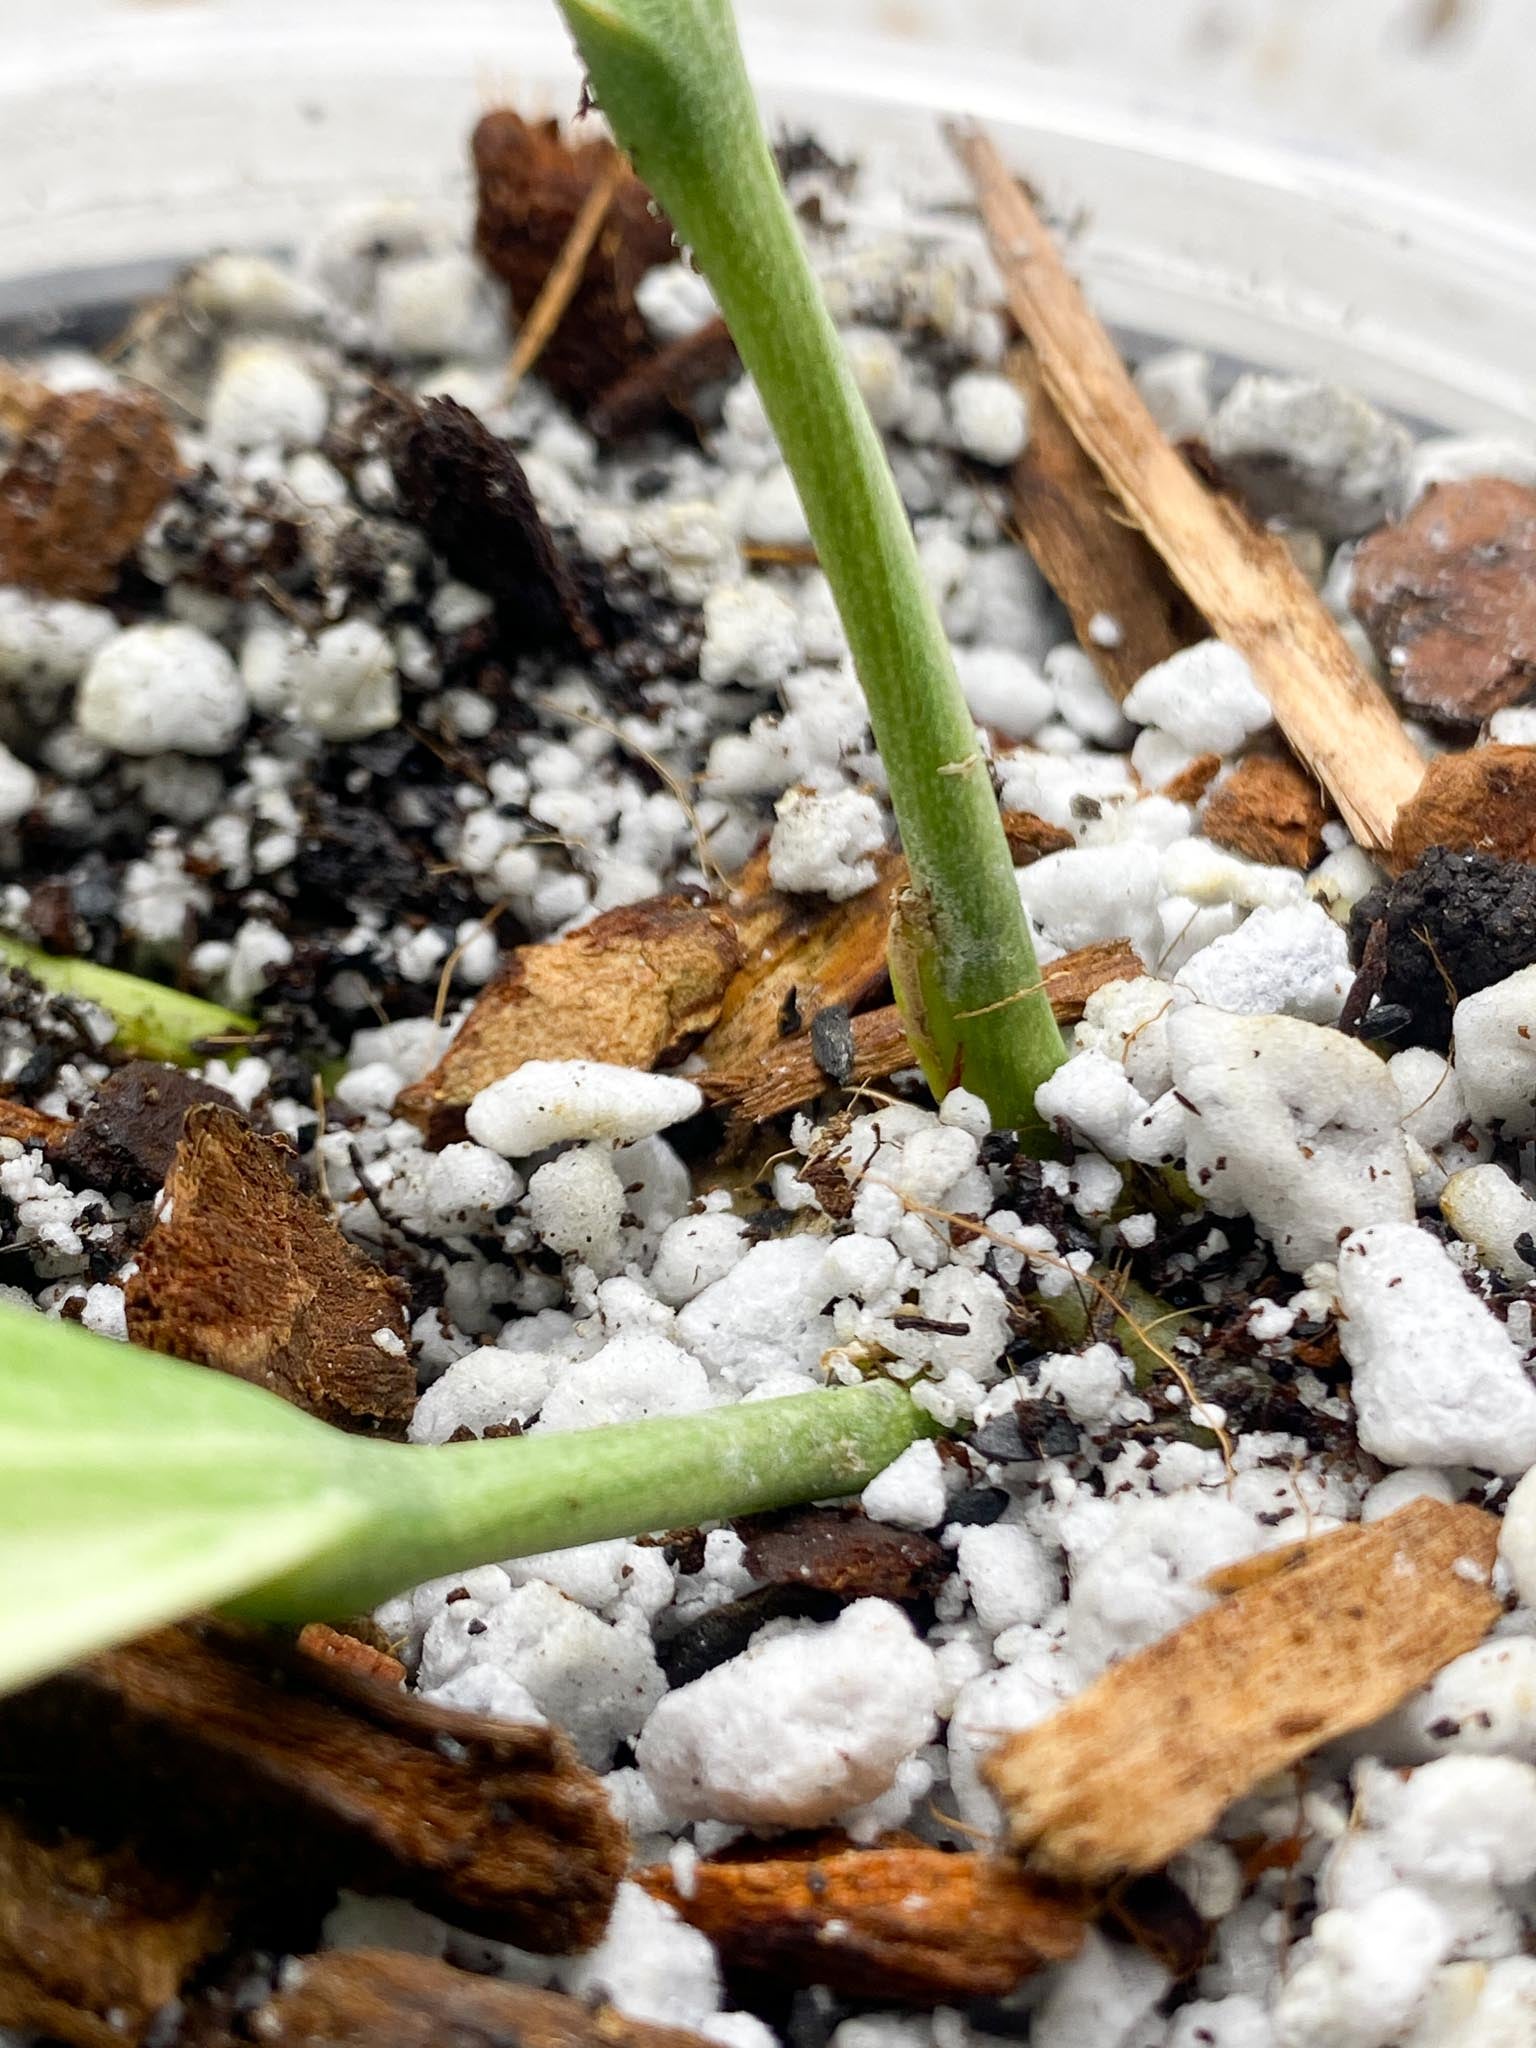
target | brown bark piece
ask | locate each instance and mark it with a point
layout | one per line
(1334, 1636)
(1482, 801)
(909, 1923)
(466, 489)
(32, 1126)
(1031, 838)
(244, 1272)
(93, 1943)
(342, 1652)
(1240, 578)
(126, 1137)
(1191, 782)
(222, 1752)
(800, 951)
(632, 988)
(787, 1073)
(90, 472)
(1448, 596)
(530, 187)
(665, 382)
(1269, 810)
(1081, 544)
(366, 1998)
(841, 1551)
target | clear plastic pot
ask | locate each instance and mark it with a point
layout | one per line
(140, 135)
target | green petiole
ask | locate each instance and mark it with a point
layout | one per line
(134, 1488)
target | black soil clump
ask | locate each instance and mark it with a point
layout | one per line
(1454, 923)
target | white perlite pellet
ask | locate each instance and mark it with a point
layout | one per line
(548, 1101)
(1292, 1124)
(1495, 1037)
(156, 688)
(1203, 696)
(1437, 1380)
(799, 1727)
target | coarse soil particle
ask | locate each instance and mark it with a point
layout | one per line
(1448, 597)
(466, 489)
(841, 1551)
(126, 1136)
(1268, 810)
(1455, 923)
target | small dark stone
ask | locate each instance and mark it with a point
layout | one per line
(832, 1043)
(1454, 923)
(720, 1633)
(1026, 1432)
(978, 1506)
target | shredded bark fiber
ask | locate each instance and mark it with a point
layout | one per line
(1096, 564)
(95, 1942)
(1269, 810)
(221, 1755)
(1311, 1642)
(1482, 801)
(910, 1923)
(1448, 596)
(245, 1272)
(1240, 578)
(799, 954)
(786, 1072)
(33, 1126)
(633, 987)
(378, 1999)
(531, 185)
(90, 472)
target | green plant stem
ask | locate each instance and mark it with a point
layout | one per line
(669, 75)
(156, 1022)
(441, 1508)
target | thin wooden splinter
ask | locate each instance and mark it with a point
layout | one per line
(559, 287)
(1241, 579)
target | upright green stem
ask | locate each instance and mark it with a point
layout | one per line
(670, 77)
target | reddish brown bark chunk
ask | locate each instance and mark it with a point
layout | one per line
(841, 1551)
(1483, 801)
(632, 987)
(907, 1923)
(245, 1272)
(90, 472)
(223, 1755)
(531, 185)
(1269, 810)
(92, 1942)
(377, 1999)
(1448, 596)
(1031, 838)
(1311, 1642)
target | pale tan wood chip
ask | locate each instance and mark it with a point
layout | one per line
(1333, 1635)
(1241, 579)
